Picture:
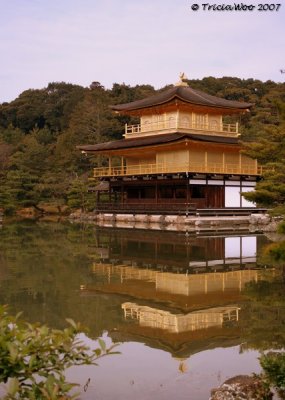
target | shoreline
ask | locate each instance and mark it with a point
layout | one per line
(252, 222)
(256, 222)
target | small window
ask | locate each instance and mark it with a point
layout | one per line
(171, 122)
(185, 122)
(214, 125)
(200, 120)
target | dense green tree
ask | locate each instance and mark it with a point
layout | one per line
(79, 196)
(22, 176)
(26, 111)
(21, 188)
(269, 150)
(62, 99)
(11, 135)
(30, 155)
(49, 107)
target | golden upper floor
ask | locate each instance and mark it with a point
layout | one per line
(180, 130)
(182, 156)
(184, 122)
(182, 109)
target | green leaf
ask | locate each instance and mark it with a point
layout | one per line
(34, 359)
(13, 386)
(13, 350)
(71, 322)
(102, 344)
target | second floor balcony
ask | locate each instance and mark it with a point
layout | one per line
(174, 168)
(174, 124)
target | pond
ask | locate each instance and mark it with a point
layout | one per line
(189, 311)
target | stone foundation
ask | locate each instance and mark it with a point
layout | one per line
(253, 222)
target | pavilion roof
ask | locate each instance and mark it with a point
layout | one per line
(155, 140)
(185, 94)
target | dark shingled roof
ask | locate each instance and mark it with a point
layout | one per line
(154, 140)
(186, 94)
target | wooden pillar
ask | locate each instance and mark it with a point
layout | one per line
(224, 163)
(109, 193)
(110, 165)
(206, 161)
(207, 194)
(187, 255)
(187, 193)
(98, 197)
(177, 119)
(156, 192)
(221, 197)
(122, 166)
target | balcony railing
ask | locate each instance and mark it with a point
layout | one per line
(149, 169)
(175, 124)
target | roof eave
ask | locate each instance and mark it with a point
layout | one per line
(238, 110)
(184, 137)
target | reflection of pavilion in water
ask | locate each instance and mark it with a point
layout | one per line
(181, 294)
(188, 272)
(175, 283)
(180, 313)
(166, 250)
(176, 323)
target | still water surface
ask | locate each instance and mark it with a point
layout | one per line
(189, 311)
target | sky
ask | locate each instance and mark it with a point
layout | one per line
(135, 42)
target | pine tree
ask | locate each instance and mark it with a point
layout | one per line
(270, 153)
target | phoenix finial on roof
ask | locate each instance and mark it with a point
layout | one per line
(183, 79)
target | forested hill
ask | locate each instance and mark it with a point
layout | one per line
(40, 129)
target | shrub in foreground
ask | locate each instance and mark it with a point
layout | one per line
(273, 364)
(33, 358)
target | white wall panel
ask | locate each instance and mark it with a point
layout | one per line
(232, 247)
(248, 246)
(232, 196)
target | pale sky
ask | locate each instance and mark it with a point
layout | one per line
(135, 42)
